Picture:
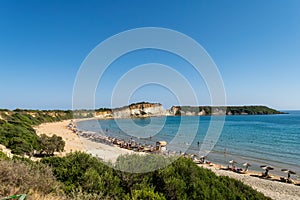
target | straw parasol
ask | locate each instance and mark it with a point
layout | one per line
(246, 166)
(267, 168)
(202, 159)
(289, 172)
(232, 162)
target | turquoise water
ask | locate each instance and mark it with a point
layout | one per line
(257, 139)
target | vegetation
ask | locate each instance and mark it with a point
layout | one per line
(3, 156)
(229, 110)
(49, 145)
(252, 110)
(182, 179)
(103, 110)
(143, 102)
(81, 176)
(17, 133)
(18, 177)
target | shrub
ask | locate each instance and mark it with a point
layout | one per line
(182, 179)
(80, 170)
(51, 144)
(18, 177)
(3, 156)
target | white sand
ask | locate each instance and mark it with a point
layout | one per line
(275, 190)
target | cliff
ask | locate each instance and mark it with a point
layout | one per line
(222, 110)
(136, 110)
(146, 109)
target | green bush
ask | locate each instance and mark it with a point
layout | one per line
(17, 133)
(146, 194)
(182, 179)
(80, 170)
(49, 145)
(3, 156)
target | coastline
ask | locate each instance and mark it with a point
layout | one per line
(73, 142)
(270, 188)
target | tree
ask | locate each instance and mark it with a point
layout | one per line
(51, 144)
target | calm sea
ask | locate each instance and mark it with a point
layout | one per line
(258, 139)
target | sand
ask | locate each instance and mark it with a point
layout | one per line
(73, 142)
(76, 143)
(274, 189)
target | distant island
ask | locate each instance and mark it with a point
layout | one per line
(146, 109)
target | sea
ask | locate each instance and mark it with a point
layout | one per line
(272, 140)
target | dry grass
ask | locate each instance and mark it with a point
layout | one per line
(16, 177)
(39, 196)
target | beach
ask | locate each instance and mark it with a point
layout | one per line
(75, 143)
(273, 189)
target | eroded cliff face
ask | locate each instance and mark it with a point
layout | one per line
(145, 109)
(104, 114)
(138, 110)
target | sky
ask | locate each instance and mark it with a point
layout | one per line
(254, 44)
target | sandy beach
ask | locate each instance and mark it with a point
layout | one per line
(274, 189)
(76, 143)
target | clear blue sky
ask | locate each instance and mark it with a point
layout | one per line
(255, 44)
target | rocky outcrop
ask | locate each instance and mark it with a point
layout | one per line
(175, 110)
(137, 110)
(222, 110)
(104, 114)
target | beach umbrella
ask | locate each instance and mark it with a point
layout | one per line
(267, 168)
(289, 172)
(232, 162)
(246, 165)
(202, 158)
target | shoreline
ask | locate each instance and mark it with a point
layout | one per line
(73, 142)
(270, 188)
(218, 156)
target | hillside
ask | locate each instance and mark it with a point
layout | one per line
(229, 110)
(16, 128)
(17, 134)
(81, 176)
(146, 109)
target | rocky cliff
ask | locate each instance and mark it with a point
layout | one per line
(222, 110)
(138, 110)
(146, 109)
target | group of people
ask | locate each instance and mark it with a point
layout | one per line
(126, 144)
(133, 145)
